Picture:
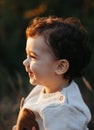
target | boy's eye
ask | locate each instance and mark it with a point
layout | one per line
(31, 56)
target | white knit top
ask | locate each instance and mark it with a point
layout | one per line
(63, 110)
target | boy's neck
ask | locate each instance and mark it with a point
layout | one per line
(57, 86)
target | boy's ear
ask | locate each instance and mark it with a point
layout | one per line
(62, 67)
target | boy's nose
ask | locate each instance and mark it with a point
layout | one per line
(26, 64)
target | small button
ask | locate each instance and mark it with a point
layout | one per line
(61, 98)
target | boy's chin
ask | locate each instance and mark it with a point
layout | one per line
(32, 82)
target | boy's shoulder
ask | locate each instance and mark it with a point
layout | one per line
(73, 95)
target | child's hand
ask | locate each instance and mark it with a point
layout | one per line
(34, 128)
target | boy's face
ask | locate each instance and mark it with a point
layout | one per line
(40, 62)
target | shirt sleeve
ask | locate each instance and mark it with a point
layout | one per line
(63, 117)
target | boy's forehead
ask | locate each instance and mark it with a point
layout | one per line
(36, 44)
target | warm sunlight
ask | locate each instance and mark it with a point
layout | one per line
(35, 12)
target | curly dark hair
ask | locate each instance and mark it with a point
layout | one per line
(67, 38)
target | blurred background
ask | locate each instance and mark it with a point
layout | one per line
(14, 17)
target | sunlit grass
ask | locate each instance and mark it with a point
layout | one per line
(13, 88)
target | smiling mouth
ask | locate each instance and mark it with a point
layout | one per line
(30, 74)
